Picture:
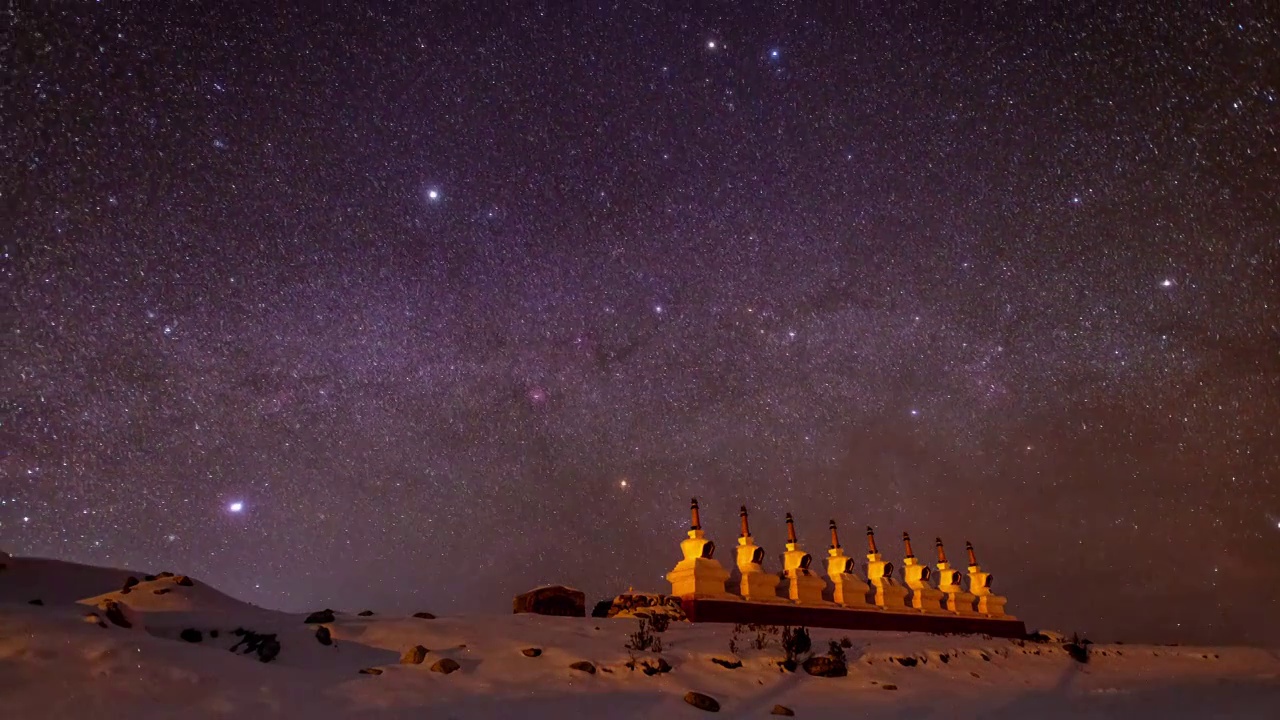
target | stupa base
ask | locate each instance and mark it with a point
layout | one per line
(707, 610)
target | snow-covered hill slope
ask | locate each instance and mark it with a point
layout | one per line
(57, 663)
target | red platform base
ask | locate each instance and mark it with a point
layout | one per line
(702, 610)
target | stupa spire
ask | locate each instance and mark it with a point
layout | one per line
(942, 553)
(968, 546)
(746, 529)
(697, 518)
(835, 538)
(791, 530)
(906, 541)
(871, 541)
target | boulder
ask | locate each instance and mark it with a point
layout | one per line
(646, 604)
(371, 671)
(414, 655)
(184, 581)
(324, 636)
(365, 613)
(93, 619)
(782, 710)
(1047, 636)
(162, 591)
(727, 664)
(661, 667)
(191, 635)
(583, 666)
(825, 666)
(601, 609)
(445, 666)
(424, 616)
(164, 574)
(555, 600)
(319, 616)
(116, 613)
(889, 687)
(148, 578)
(531, 652)
(265, 645)
(702, 702)
(130, 582)
(36, 602)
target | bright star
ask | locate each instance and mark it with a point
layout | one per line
(236, 506)
(623, 483)
(433, 194)
(774, 54)
(711, 44)
(1166, 283)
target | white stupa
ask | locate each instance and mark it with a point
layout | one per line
(848, 590)
(888, 593)
(924, 596)
(753, 582)
(989, 603)
(954, 597)
(698, 574)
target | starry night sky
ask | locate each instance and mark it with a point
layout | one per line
(454, 302)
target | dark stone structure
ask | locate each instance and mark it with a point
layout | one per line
(551, 600)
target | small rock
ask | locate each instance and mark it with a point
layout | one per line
(446, 666)
(531, 652)
(702, 702)
(319, 616)
(191, 635)
(825, 666)
(148, 578)
(268, 649)
(265, 645)
(414, 655)
(601, 609)
(93, 619)
(37, 601)
(660, 668)
(424, 616)
(584, 666)
(130, 582)
(907, 661)
(727, 664)
(324, 636)
(974, 674)
(365, 613)
(162, 591)
(126, 590)
(889, 687)
(1077, 651)
(164, 574)
(115, 613)
(370, 671)
(213, 633)
(184, 581)
(782, 710)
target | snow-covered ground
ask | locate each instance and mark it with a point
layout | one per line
(57, 660)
